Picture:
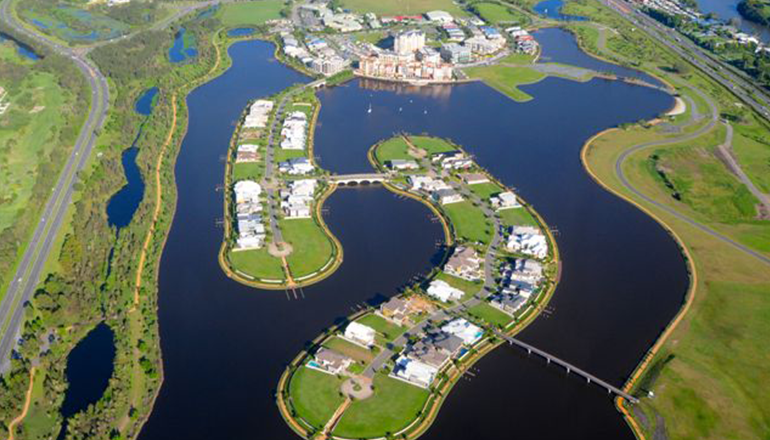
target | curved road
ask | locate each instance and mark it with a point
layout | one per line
(713, 119)
(31, 265)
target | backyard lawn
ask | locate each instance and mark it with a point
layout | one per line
(248, 170)
(469, 221)
(386, 330)
(311, 247)
(489, 314)
(469, 287)
(315, 395)
(485, 190)
(516, 217)
(257, 263)
(250, 13)
(393, 406)
(349, 349)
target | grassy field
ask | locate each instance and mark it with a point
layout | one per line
(469, 221)
(257, 263)
(496, 13)
(393, 148)
(315, 395)
(431, 145)
(403, 7)
(312, 248)
(489, 314)
(248, 170)
(394, 405)
(516, 217)
(751, 145)
(349, 349)
(250, 13)
(386, 330)
(485, 190)
(507, 79)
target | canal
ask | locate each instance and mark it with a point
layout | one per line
(225, 345)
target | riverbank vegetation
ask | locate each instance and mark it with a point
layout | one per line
(371, 399)
(708, 375)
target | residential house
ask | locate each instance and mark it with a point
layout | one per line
(332, 361)
(442, 291)
(460, 327)
(474, 178)
(360, 334)
(247, 153)
(504, 200)
(296, 166)
(464, 263)
(402, 165)
(447, 196)
(414, 372)
(527, 240)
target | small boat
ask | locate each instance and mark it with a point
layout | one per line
(370, 109)
(400, 108)
(425, 112)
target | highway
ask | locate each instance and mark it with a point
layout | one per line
(722, 73)
(31, 265)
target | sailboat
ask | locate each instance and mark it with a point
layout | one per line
(370, 109)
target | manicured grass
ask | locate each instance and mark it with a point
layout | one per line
(257, 263)
(248, 170)
(490, 315)
(315, 395)
(403, 7)
(485, 190)
(506, 79)
(469, 222)
(431, 145)
(311, 247)
(250, 13)
(518, 58)
(393, 148)
(386, 330)
(393, 406)
(281, 155)
(516, 217)
(753, 155)
(495, 13)
(349, 349)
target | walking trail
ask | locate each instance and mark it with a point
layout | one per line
(27, 401)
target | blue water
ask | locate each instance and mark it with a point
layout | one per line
(206, 13)
(552, 9)
(21, 48)
(240, 32)
(178, 53)
(558, 46)
(123, 205)
(146, 102)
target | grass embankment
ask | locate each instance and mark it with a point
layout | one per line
(403, 7)
(507, 79)
(250, 13)
(497, 13)
(393, 406)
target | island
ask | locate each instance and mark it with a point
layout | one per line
(386, 370)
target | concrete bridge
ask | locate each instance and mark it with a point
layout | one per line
(358, 179)
(590, 378)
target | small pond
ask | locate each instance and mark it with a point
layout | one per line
(183, 48)
(552, 9)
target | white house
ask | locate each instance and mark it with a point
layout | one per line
(247, 191)
(331, 361)
(439, 17)
(360, 334)
(415, 372)
(258, 114)
(440, 290)
(527, 240)
(504, 200)
(460, 327)
(401, 164)
(296, 166)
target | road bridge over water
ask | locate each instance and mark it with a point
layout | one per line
(358, 179)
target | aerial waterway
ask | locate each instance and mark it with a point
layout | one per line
(225, 345)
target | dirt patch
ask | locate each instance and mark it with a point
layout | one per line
(417, 153)
(37, 109)
(357, 388)
(279, 250)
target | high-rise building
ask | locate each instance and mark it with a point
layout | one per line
(409, 42)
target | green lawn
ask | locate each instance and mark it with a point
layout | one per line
(250, 13)
(315, 395)
(469, 287)
(248, 170)
(281, 155)
(393, 148)
(751, 145)
(518, 58)
(386, 330)
(432, 145)
(469, 221)
(496, 13)
(403, 7)
(489, 314)
(507, 79)
(349, 349)
(516, 217)
(257, 263)
(485, 190)
(393, 406)
(311, 247)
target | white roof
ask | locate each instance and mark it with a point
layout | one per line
(443, 291)
(247, 188)
(361, 332)
(464, 330)
(415, 371)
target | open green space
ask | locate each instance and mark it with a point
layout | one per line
(518, 58)
(393, 406)
(250, 13)
(496, 13)
(485, 190)
(431, 145)
(490, 315)
(349, 349)
(315, 395)
(248, 170)
(257, 263)
(73, 23)
(386, 330)
(469, 222)
(751, 145)
(311, 246)
(516, 217)
(281, 155)
(403, 7)
(393, 148)
(506, 79)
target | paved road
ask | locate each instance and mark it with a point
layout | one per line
(713, 119)
(33, 260)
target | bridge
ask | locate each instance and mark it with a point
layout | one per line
(590, 378)
(358, 179)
